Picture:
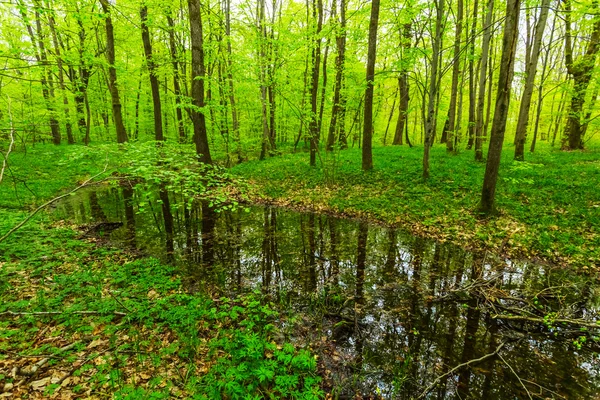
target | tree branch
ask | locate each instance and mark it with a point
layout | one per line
(46, 204)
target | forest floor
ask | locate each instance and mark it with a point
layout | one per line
(80, 319)
(549, 206)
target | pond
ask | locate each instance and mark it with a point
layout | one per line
(389, 314)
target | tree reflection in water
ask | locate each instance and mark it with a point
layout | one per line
(387, 312)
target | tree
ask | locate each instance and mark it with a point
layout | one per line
(150, 64)
(450, 131)
(317, 7)
(509, 46)
(403, 87)
(581, 73)
(530, 72)
(367, 152)
(112, 73)
(485, 49)
(433, 86)
(198, 76)
(338, 111)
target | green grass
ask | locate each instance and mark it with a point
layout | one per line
(549, 205)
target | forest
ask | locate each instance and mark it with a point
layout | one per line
(299, 199)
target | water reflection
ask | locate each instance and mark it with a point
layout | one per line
(390, 313)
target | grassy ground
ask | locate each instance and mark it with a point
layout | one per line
(81, 320)
(549, 206)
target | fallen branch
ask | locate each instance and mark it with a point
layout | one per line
(62, 312)
(46, 204)
(31, 371)
(12, 142)
(578, 322)
(465, 364)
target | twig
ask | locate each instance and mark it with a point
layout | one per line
(46, 204)
(542, 321)
(476, 360)
(12, 142)
(35, 367)
(62, 312)
(517, 375)
(118, 301)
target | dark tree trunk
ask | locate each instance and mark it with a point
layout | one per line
(112, 74)
(367, 142)
(509, 44)
(158, 129)
(198, 76)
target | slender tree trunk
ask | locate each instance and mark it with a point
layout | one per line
(387, 126)
(61, 80)
(198, 76)
(433, 87)
(158, 128)
(472, 86)
(41, 58)
(176, 86)
(367, 142)
(509, 45)
(485, 47)
(314, 87)
(323, 88)
(337, 121)
(112, 73)
(455, 75)
(530, 72)
(81, 83)
(403, 87)
(232, 101)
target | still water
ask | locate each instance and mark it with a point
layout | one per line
(388, 313)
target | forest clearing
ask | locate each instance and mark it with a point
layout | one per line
(320, 199)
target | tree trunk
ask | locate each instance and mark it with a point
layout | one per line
(581, 71)
(531, 69)
(509, 45)
(61, 80)
(455, 74)
(336, 112)
(158, 129)
(198, 76)
(112, 74)
(472, 86)
(41, 58)
(367, 142)
(231, 89)
(176, 87)
(314, 87)
(485, 48)
(433, 87)
(403, 88)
